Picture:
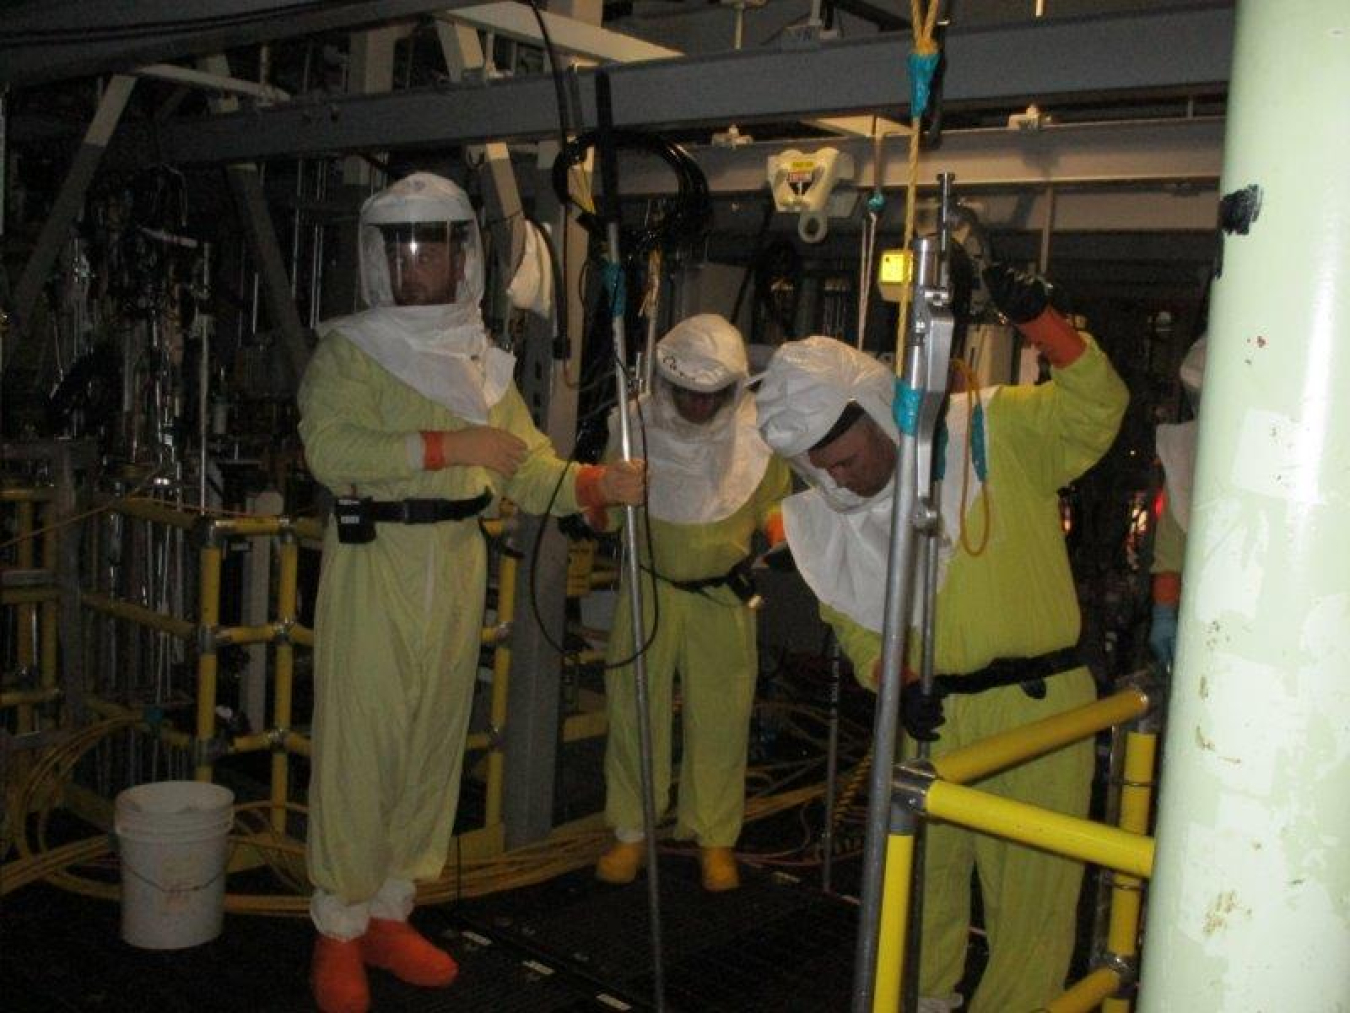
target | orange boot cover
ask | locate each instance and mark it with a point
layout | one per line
(620, 864)
(719, 869)
(404, 952)
(339, 976)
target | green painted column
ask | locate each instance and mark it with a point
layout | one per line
(1250, 903)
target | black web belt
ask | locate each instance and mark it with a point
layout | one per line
(1029, 673)
(428, 511)
(357, 516)
(738, 579)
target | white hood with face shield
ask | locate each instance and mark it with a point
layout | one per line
(443, 352)
(699, 473)
(841, 541)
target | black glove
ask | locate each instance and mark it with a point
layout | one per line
(778, 558)
(576, 529)
(921, 713)
(1019, 296)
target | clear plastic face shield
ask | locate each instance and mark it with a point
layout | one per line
(697, 410)
(419, 245)
(425, 261)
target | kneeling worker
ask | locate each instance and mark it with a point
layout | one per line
(713, 482)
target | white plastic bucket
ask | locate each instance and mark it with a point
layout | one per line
(173, 838)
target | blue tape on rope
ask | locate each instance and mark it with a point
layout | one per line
(921, 68)
(614, 285)
(905, 407)
(977, 442)
(876, 203)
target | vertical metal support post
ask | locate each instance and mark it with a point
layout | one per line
(632, 563)
(208, 604)
(501, 685)
(1250, 905)
(887, 719)
(919, 398)
(25, 614)
(251, 203)
(283, 688)
(47, 655)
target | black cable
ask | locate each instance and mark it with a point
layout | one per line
(691, 208)
(539, 538)
(562, 340)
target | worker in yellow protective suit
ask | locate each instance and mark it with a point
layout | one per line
(409, 415)
(713, 484)
(1005, 594)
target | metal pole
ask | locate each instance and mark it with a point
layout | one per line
(632, 562)
(1250, 907)
(898, 586)
(919, 402)
(927, 671)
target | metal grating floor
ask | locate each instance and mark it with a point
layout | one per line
(572, 945)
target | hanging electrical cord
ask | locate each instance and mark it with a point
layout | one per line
(690, 210)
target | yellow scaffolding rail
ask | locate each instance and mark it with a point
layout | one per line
(935, 790)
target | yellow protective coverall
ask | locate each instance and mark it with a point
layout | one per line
(1016, 599)
(709, 637)
(398, 623)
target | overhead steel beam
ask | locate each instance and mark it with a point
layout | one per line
(51, 40)
(1137, 51)
(516, 21)
(1152, 51)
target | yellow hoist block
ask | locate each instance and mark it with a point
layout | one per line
(895, 273)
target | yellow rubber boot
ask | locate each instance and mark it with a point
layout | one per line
(339, 977)
(399, 948)
(620, 864)
(719, 869)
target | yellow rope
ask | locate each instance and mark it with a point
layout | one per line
(922, 24)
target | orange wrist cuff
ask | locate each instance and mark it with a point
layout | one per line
(1166, 588)
(774, 529)
(588, 487)
(433, 450)
(1056, 337)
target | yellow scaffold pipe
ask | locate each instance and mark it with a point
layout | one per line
(208, 601)
(1136, 796)
(1042, 828)
(999, 752)
(895, 901)
(1087, 994)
